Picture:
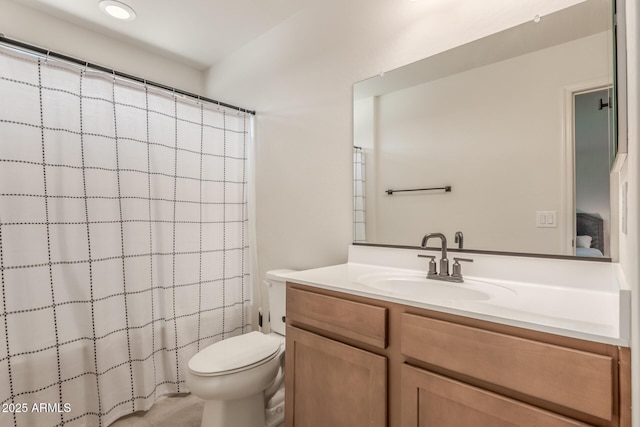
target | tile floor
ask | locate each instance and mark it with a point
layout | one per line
(168, 411)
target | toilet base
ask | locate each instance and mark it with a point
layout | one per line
(275, 410)
(246, 412)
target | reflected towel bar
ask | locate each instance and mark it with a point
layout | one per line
(447, 189)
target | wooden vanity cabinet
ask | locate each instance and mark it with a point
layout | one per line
(331, 381)
(354, 361)
(565, 377)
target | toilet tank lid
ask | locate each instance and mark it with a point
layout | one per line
(277, 274)
(234, 353)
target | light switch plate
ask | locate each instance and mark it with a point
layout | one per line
(546, 219)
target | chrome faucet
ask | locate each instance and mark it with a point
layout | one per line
(444, 262)
(459, 239)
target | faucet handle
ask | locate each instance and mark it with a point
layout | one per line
(432, 263)
(457, 268)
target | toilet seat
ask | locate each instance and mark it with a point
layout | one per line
(235, 354)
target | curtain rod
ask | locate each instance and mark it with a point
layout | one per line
(51, 54)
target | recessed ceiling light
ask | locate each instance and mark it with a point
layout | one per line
(117, 10)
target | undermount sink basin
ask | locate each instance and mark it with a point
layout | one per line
(417, 286)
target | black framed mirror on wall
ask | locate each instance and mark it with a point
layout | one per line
(507, 142)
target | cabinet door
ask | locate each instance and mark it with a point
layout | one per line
(431, 400)
(333, 384)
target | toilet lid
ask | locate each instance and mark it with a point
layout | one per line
(234, 353)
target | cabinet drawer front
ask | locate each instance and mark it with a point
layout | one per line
(361, 322)
(574, 379)
(431, 400)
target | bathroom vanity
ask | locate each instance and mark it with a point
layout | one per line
(358, 355)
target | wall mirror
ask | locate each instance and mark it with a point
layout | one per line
(507, 141)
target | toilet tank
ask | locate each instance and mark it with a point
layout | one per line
(277, 299)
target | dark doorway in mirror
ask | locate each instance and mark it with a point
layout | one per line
(593, 130)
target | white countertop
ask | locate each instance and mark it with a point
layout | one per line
(595, 311)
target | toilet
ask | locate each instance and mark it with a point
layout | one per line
(241, 379)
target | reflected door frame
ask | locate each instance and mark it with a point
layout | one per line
(569, 183)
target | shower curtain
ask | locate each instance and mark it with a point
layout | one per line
(123, 240)
(359, 224)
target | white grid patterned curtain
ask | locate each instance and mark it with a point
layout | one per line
(359, 224)
(123, 250)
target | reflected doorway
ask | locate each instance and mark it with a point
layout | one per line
(593, 144)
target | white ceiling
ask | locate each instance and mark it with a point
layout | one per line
(196, 32)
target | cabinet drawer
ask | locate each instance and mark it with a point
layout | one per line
(353, 320)
(431, 400)
(571, 378)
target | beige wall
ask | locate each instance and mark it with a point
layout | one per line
(629, 241)
(299, 78)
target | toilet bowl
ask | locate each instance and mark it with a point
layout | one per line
(241, 379)
(231, 376)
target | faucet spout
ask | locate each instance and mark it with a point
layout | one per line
(440, 236)
(444, 262)
(459, 239)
